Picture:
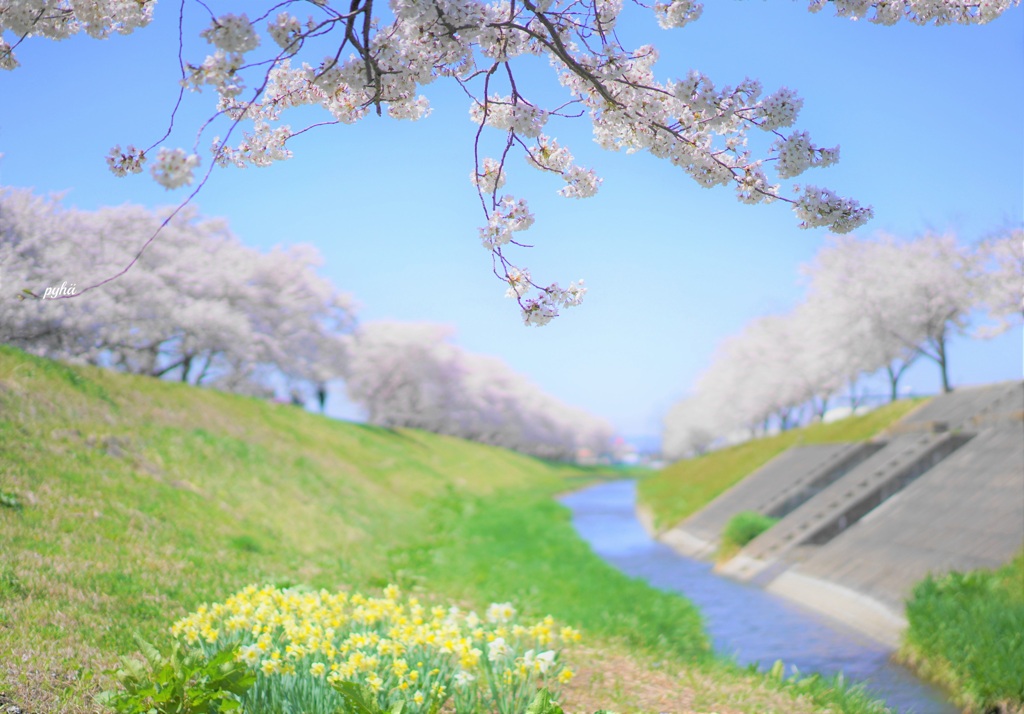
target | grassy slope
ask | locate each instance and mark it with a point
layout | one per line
(141, 499)
(966, 632)
(683, 488)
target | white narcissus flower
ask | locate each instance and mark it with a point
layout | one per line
(497, 649)
(500, 612)
(544, 661)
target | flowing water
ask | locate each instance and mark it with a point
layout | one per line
(744, 621)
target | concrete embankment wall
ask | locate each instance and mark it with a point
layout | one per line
(966, 513)
(847, 500)
(942, 490)
(774, 489)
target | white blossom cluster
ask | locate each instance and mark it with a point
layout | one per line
(1003, 290)
(129, 161)
(548, 155)
(285, 30)
(677, 13)
(60, 19)
(821, 207)
(543, 309)
(174, 168)
(519, 282)
(921, 12)
(502, 113)
(491, 178)
(510, 216)
(232, 33)
(796, 154)
(219, 70)
(353, 59)
(261, 147)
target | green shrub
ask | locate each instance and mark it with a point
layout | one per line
(742, 528)
(966, 632)
(183, 683)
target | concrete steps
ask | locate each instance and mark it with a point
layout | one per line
(795, 472)
(846, 500)
(966, 408)
(965, 513)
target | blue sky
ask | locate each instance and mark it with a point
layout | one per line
(929, 121)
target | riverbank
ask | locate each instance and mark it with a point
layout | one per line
(754, 625)
(127, 502)
(868, 529)
(846, 607)
(967, 634)
(684, 487)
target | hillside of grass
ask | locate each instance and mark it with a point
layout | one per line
(127, 502)
(966, 633)
(683, 488)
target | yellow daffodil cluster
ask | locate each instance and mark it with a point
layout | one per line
(300, 643)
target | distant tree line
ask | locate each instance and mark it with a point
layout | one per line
(202, 308)
(198, 306)
(871, 307)
(408, 374)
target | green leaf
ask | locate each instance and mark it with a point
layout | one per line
(358, 698)
(148, 651)
(542, 704)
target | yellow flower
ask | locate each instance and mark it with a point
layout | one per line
(418, 697)
(317, 669)
(269, 666)
(565, 675)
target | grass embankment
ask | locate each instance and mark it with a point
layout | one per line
(683, 488)
(966, 632)
(127, 502)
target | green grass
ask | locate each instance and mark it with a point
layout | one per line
(742, 528)
(525, 544)
(966, 632)
(683, 488)
(141, 499)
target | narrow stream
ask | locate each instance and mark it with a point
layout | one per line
(744, 621)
